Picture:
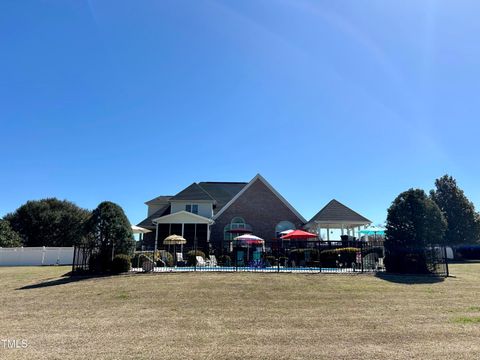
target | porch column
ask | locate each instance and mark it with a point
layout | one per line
(183, 227)
(342, 230)
(328, 233)
(156, 238)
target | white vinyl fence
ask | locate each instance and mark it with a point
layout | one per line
(35, 256)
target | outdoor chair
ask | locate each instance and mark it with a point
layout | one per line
(212, 261)
(380, 265)
(180, 260)
(200, 261)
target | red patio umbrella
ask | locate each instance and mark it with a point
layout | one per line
(299, 235)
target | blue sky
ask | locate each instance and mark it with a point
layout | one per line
(126, 100)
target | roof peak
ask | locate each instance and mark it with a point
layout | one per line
(223, 182)
(336, 211)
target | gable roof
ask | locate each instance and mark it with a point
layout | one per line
(222, 192)
(270, 187)
(184, 217)
(192, 192)
(148, 222)
(336, 212)
(159, 199)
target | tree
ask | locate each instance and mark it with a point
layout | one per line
(414, 222)
(463, 222)
(109, 227)
(8, 237)
(49, 222)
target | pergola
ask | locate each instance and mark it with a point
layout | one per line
(335, 215)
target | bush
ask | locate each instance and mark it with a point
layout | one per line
(376, 250)
(467, 252)
(191, 256)
(165, 256)
(98, 263)
(271, 261)
(346, 256)
(303, 256)
(121, 263)
(406, 261)
(224, 260)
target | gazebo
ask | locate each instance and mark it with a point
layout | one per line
(335, 215)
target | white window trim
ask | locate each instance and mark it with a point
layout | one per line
(191, 208)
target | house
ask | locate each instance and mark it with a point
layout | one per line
(206, 211)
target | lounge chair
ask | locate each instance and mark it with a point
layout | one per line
(180, 261)
(380, 265)
(200, 261)
(212, 261)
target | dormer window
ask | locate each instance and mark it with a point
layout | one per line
(193, 208)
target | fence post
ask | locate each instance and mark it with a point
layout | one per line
(74, 257)
(278, 258)
(361, 254)
(446, 259)
(195, 254)
(236, 258)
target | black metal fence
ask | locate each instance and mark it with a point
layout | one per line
(88, 258)
(427, 260)
(81, 257)
(325, 257)
(328, 257)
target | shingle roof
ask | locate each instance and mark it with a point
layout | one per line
(147, 223)
(222, 192)
(192, 192)
(159, 199)
(336, 212)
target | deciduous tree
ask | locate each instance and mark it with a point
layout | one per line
(8, 237)
(49, 222)
(462, 219)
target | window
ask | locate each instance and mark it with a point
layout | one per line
(236, 223)
(282, 226)
(193, 208)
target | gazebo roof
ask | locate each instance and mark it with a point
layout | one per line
(335, 213)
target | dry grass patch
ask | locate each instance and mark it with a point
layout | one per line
(239, 316)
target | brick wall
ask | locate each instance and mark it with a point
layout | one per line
(260, 208)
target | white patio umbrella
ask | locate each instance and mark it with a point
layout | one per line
(139, 230)
(250, 239)
(175, 240)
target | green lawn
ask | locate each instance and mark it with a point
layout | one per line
(238, 316)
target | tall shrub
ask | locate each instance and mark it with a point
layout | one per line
(414, 222)
(463, 223)
(109, 229)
